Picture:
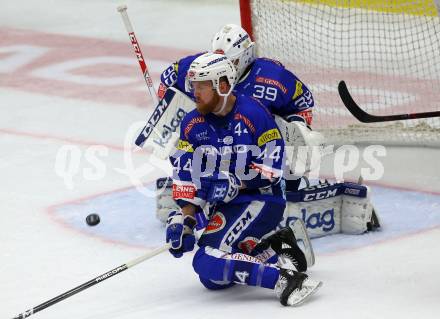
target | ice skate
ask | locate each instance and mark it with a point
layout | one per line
(294, 288)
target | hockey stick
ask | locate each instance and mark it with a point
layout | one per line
(93, 282)
(364, 117)
(137, 50)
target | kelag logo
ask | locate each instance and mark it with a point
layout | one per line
(324, 220)
(170, 128)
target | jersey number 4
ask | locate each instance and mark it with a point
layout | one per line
(241, 276)
(238, 130)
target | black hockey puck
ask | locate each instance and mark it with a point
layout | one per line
(93, 219)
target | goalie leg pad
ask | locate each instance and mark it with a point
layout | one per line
(164, 198)
(356, 212)
(329, 209)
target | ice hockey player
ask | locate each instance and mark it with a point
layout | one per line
(229, 156)
(282, 92)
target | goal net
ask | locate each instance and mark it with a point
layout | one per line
(388, 52)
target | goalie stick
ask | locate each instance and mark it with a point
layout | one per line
(365, 117)
(165, 120)
(93, 282)
(137, 50)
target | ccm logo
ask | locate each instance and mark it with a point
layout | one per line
(320, 195)
(155, 117)
(238, 228)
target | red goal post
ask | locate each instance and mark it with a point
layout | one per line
(246, 16)
(388, 52)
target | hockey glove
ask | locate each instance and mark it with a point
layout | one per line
(221, 189)
(179, 232)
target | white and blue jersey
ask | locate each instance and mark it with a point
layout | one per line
(246, 142)
(276, 87)
(265, 79)
(175, 75)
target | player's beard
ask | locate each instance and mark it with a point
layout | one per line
(208, 107)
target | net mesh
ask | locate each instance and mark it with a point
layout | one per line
(388, 52)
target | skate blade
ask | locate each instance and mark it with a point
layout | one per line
(300, 232)
(297, 299)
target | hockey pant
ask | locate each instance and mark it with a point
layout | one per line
(224, 259)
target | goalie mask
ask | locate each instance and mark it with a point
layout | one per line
(211, 67)
(233, 41)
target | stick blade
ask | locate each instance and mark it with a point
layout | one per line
(364, 117)
(351, 105)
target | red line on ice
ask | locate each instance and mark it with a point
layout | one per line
(63, 49)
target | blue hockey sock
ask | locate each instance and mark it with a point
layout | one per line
(218, 266)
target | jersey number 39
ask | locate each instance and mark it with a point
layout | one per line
(265, 92)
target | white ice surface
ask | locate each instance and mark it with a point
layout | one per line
(46, 250)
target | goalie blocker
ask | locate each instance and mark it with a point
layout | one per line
(325, 208)
(161, 132)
